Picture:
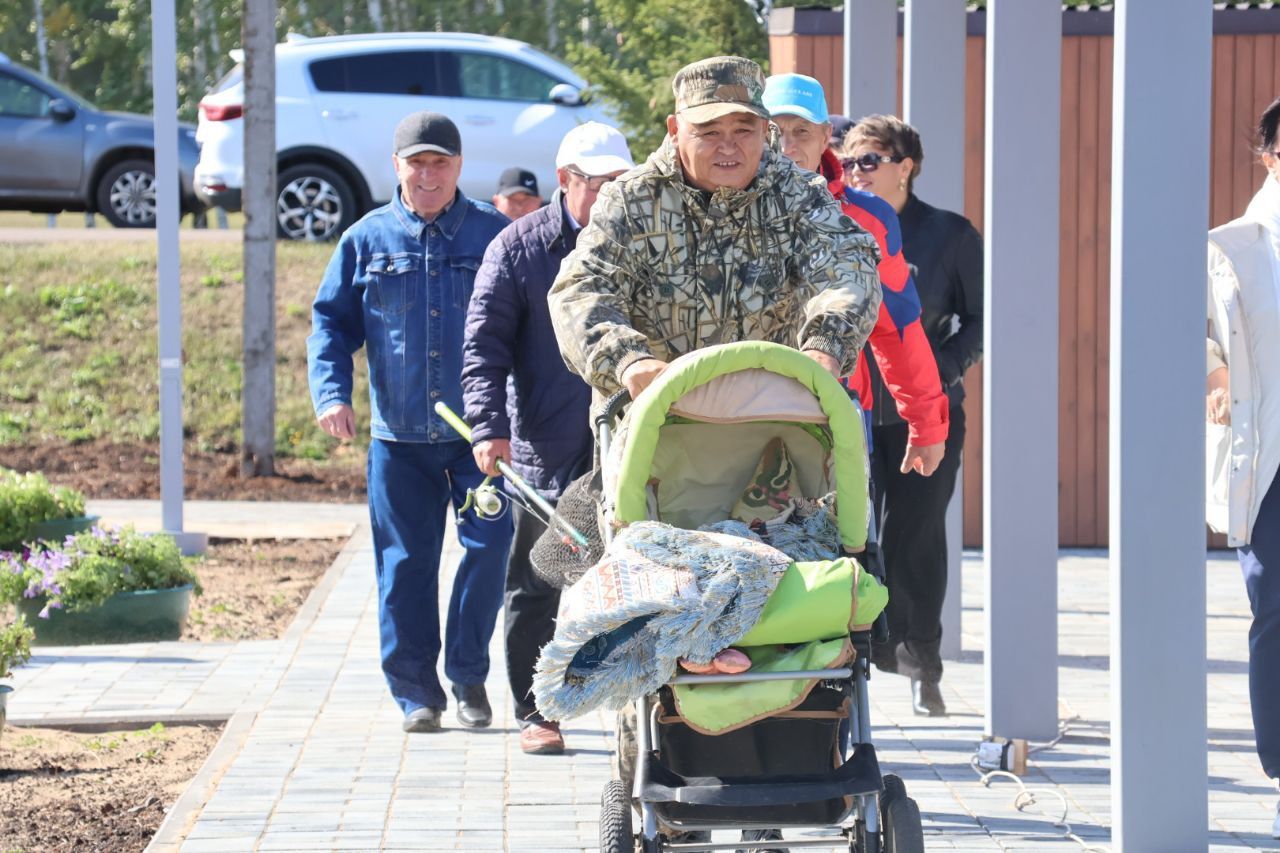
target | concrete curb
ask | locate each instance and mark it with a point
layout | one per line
(112, 722)
(177, 822)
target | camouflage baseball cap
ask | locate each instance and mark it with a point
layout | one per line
(711, 88)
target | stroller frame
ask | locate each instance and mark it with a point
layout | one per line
(880, 817)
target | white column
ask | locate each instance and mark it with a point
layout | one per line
(1159, 207)
(870, 57)
(933, 100)
(1020, 366)
(164, 73)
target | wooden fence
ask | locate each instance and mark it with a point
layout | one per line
(1246, 77)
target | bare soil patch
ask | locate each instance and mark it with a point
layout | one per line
(108, 791)
(116, 470)
(253, 588)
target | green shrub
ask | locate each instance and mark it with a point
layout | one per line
(28, 499)
(15, 646)
(90, 567)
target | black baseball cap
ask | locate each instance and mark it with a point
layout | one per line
(427, 131)
(840, 125)
(517, 180)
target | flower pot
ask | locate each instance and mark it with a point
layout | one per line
(126, 617)
(5, 690)
(57, 529)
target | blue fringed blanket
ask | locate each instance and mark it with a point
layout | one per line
(660, 594)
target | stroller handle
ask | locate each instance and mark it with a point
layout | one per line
(612, 407)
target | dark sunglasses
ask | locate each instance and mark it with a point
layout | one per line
(869, 162)
(593, 184)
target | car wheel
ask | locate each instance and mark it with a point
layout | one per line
(126, 195)
(313, 203)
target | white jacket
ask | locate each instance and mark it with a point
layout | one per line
(1243, 335)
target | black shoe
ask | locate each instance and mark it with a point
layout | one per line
(473, 706)
(919, 661)
(884, 658)
(422, 720)
(926, 699)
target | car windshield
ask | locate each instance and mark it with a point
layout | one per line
(557, 60)
(231, 78)
(61, 90)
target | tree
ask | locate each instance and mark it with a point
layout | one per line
(258, 394)
(636, 47)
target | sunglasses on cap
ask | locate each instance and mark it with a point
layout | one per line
(593, 183)
(868, 162)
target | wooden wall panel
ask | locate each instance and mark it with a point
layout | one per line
(1221, 137)
(1089, 146)
(1101, 285)
(1074, 91)
(1246, 77)
(1242, 174)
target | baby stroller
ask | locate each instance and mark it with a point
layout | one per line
(682, 455)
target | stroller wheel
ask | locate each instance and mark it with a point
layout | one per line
(900, 819)
(615, 820)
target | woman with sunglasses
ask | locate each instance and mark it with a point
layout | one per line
(1243, 393)
(883, 155)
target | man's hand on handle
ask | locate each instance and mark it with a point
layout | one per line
(338, 421)
(639, 375)
(488, 452)
(923, 460)
(828, 363)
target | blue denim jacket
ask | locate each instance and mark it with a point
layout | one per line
(400, 286)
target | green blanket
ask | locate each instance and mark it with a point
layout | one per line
(805, 625)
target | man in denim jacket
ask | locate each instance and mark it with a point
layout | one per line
(399, 283)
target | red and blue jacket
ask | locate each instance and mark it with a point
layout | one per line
(897, 341)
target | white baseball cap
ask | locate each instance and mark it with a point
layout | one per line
(595, 149)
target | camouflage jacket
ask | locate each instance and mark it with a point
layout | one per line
(664, 268)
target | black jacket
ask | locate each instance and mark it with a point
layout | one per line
(944, 252)
(509, 334)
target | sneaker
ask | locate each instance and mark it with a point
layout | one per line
(541, 738)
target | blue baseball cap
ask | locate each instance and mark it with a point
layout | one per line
(795, 95)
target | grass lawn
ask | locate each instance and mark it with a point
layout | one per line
(22, 219)
(80, 355)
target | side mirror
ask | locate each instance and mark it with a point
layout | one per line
(60, 110)
(566, 95)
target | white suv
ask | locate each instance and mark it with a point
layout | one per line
(339, 98)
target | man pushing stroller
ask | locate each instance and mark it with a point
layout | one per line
(716, 238)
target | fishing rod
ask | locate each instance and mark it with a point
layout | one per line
(486, 498)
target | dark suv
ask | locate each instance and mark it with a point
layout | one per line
(59, 152)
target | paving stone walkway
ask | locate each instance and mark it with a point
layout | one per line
(313, 758)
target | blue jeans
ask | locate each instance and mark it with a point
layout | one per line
(411, 486)
(1260, 563)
